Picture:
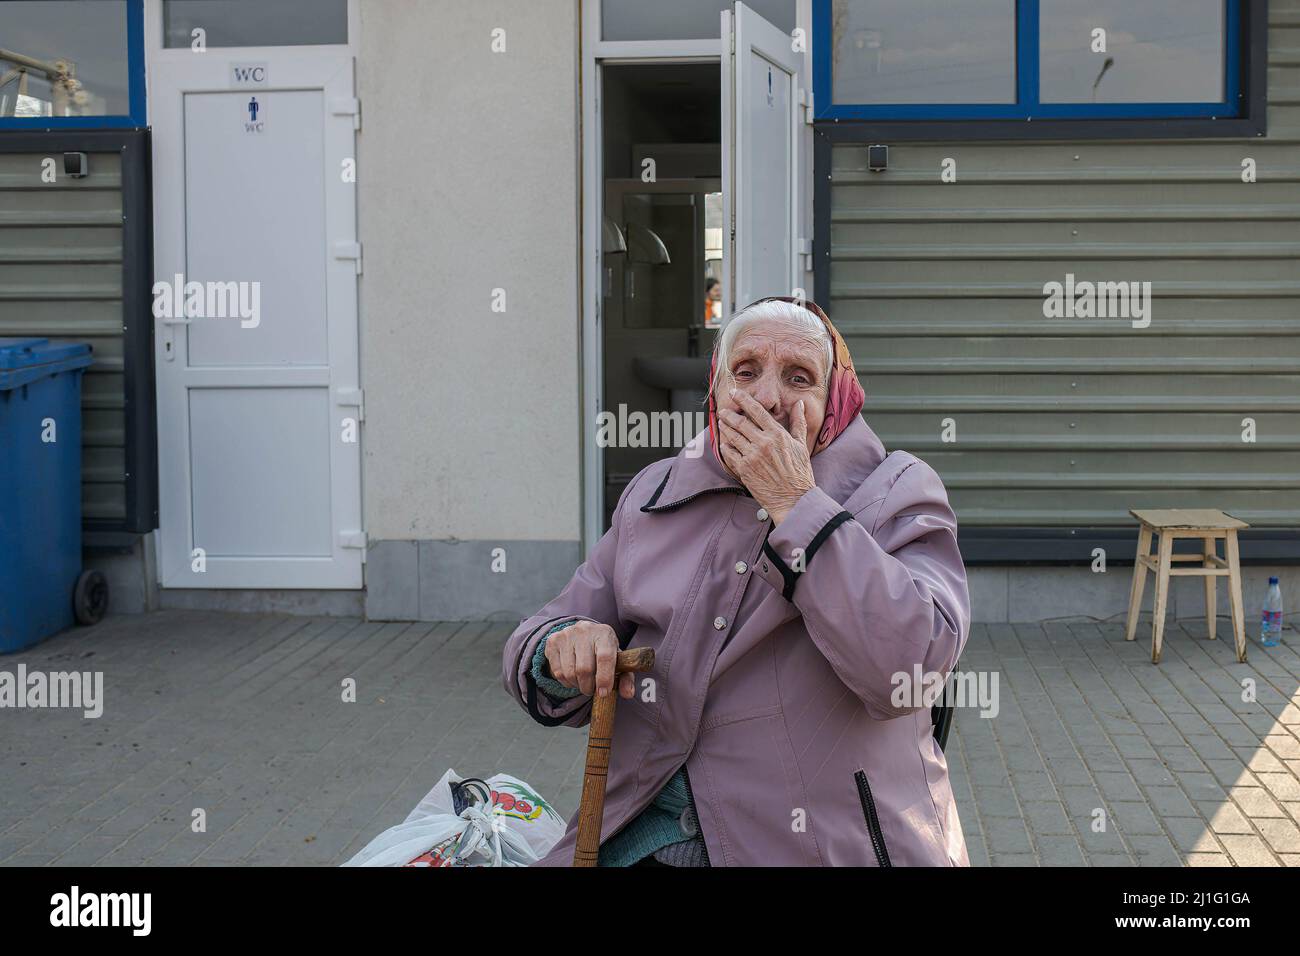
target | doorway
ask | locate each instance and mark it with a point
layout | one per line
(661, 250)
(697, 194)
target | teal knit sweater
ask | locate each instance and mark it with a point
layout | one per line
(660, 824)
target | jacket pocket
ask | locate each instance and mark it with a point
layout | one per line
(873, 821)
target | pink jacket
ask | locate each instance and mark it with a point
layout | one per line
(775, 686)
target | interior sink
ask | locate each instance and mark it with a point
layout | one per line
(674, 372)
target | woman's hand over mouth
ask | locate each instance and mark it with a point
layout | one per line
(773, 463)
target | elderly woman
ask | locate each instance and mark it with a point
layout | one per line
(797, 585)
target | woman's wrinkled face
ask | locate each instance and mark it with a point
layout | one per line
(778, 366)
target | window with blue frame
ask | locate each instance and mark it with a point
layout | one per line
(71, 64)
(1026, 59)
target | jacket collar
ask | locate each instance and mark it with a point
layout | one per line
(838, 469)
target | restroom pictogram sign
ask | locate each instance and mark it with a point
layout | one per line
(254, 123)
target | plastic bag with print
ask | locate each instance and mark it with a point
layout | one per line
(500, 821)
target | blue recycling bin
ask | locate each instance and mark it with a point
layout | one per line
(41, 581)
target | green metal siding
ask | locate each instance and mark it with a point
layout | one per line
(61, 278)
(938, 290)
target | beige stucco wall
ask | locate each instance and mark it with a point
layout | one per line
(468, 166)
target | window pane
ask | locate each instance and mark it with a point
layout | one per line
(64, 58)
(682, 19)
(1155, 52)
(256, 22)
(924, 51)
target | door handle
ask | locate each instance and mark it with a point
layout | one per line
(169, 336)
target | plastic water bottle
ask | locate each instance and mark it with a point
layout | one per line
(1270, 627)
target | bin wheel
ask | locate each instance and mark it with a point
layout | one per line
(90, 597)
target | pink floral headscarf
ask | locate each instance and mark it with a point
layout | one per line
(844, 394)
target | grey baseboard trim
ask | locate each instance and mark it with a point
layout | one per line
(455, 580)
(310, 603)
(1010, 594)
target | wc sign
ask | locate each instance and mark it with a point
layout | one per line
(247, 74)
(254, 123)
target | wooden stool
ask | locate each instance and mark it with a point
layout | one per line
(1209, 526)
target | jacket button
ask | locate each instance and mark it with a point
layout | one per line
(765, 567)
(762, 514)
(741, 567)
(719, 623)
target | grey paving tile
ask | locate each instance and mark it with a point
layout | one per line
(1118, 786)
(1163, 734)
(1102, 758)
(1256, 802)
(1225, 818)
(1285, 746)
(1192, 835)
(1109, 840)
(1047, 817)
(1031, 785)
(1154, 850)
(1150, 772)
(1082, 801)
(1280, 834)
(1248, 851)
(1135, 818)
(991, 802)
(1201, 786)
(1211, 747)
(1284, 786)
(1181, 757)
(1230, 772)
(1067, 769)
(1259, 759)
(1060, 851)
(1169, 801)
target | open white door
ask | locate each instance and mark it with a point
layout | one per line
(761, 196)
(259, 451)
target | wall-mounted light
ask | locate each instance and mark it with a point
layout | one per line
(611, 237)
(644, 245)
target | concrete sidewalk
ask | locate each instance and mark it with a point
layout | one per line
(241, 716)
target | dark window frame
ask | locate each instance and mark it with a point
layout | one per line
(140, 411)
(135, 119)
(1249, 52)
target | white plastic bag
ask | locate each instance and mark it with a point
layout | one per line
(508, 825)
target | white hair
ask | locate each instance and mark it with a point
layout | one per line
(801, 320)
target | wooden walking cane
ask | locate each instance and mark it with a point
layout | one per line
(591, 811)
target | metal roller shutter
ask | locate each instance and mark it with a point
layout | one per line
(62, 251)
(938, 290)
